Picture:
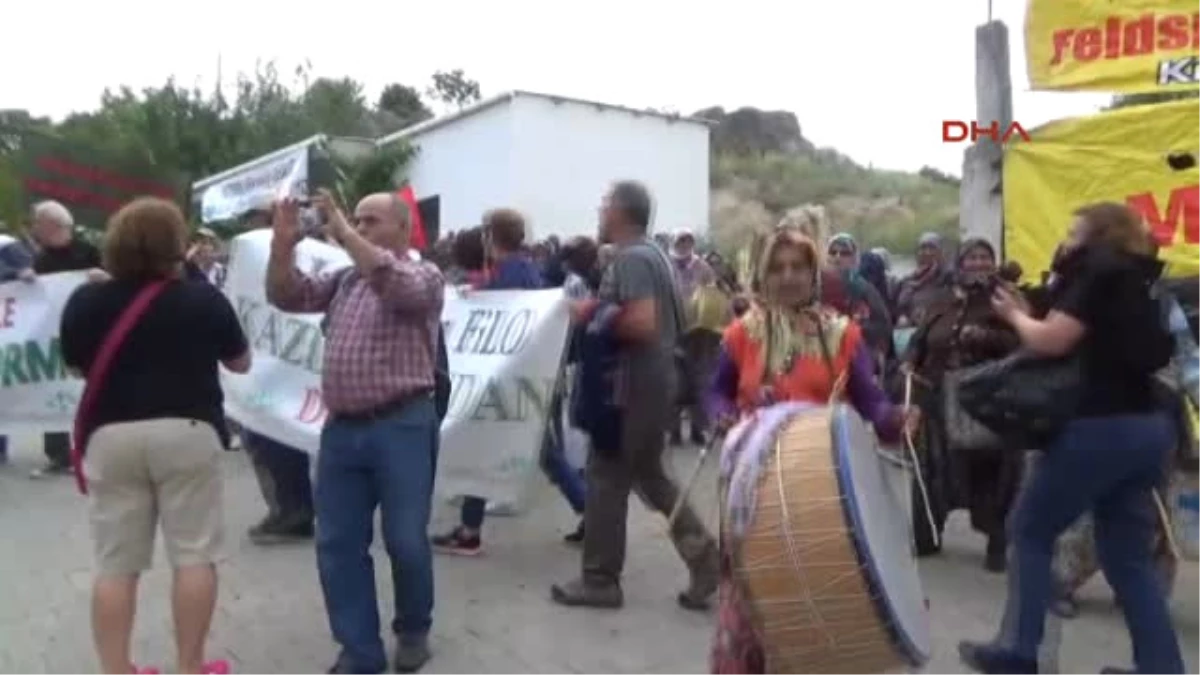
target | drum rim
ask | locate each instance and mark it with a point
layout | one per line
(868, 564)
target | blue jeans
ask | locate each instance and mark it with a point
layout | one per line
(554, 464)
(390, 463)
(1108, 465)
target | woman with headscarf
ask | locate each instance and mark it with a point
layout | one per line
(787, 347)
(856, 297)
(961, 329)
(926, 283)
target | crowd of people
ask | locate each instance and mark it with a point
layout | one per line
(661, 334)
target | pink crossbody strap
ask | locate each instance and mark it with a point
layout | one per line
(98, 373)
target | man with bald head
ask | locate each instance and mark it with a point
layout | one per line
(52, 228)
(378, 446)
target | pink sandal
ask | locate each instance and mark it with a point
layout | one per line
(219, 667)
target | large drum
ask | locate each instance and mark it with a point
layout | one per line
(817, 518)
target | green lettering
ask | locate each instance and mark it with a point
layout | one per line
(14, 366)
(45, 366)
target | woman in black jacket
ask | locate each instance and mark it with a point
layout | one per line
(1109, 457)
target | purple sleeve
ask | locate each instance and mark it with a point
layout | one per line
(869, 400)
(722, 392)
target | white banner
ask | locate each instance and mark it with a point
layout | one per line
(505, 352)
(283, 176)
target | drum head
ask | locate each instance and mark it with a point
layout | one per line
(876, 510)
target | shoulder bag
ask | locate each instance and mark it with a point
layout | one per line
(1023, 398)
(98, 373)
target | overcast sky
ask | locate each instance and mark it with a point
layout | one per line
(872, 78)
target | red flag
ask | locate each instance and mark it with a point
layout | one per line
(416, 238)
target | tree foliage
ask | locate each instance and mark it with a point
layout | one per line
(190, 133)
(453, 89)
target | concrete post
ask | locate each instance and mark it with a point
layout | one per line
(980, 205)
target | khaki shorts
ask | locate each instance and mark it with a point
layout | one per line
(142, 473)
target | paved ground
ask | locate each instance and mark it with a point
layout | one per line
(492, 613)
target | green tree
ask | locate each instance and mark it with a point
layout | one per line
(189, 133)
(453, 88)
(404, 103)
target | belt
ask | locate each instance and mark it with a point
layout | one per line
(383, 410)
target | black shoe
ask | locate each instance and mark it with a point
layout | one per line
(996, 559)
(285, 529)
(264, 525)
(411, 654)
(575, 537)
(50, 469)
(458, 542)
(1113, 670)
(986, 658)
(577, 593)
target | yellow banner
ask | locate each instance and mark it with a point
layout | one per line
(1131, 46)
(1144, 156)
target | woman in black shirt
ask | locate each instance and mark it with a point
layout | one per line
(1109, 458)
(155, 434)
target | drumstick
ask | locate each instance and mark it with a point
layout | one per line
(691, 483)
(916, 463)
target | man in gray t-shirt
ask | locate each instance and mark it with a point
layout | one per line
(648, 328)
(639, 273)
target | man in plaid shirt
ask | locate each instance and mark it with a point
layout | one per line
(378, 447)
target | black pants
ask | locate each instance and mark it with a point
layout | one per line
(57, 447)
(283, 475)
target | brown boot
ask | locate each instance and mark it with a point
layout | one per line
(578, 593)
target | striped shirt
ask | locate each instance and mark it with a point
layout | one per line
(381, 341)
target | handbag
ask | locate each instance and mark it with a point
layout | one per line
(963, 431)
(98, 373)
(1023, 398)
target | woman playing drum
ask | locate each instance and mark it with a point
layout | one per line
(787, 347)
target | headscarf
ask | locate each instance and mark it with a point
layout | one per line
(930, 239)
(968, 245)
(884, 255)
(774, 326)
(852, 281)
(873, 270)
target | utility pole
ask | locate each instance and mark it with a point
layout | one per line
(981, 208)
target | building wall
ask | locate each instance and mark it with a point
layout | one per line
(569, 153)
(468, 164)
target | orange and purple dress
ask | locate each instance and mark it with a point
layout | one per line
(799, 366)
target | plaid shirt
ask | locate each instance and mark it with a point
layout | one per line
(381, 343)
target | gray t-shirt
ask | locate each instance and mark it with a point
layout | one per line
(640, 271)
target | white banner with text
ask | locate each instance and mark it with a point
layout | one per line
(505, 350)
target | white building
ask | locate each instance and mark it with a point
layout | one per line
(553, 158)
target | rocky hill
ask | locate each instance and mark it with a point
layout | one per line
(762, 166)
